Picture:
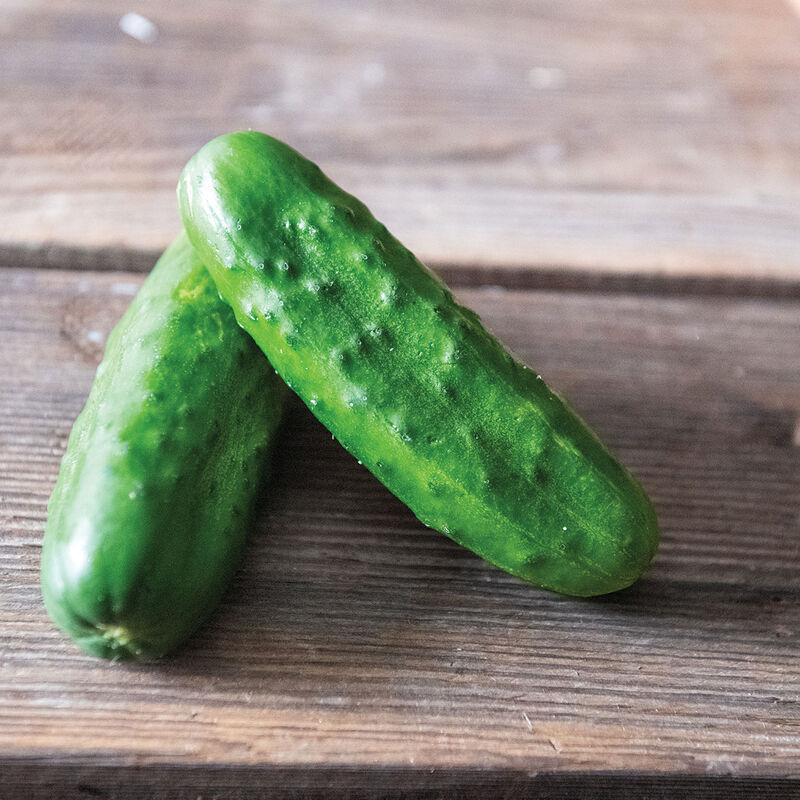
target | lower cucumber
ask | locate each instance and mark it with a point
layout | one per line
(407, 379)
(148, 517)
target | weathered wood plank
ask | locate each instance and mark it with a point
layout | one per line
(621, 137)
(355, 638)
(170, 782)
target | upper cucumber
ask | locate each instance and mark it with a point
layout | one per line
(408, 380)
(147, 520)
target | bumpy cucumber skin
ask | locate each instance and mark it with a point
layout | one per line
(148, 517)
(409, 381)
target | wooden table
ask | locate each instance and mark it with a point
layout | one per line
(615, 187)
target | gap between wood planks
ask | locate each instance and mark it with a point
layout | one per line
(544, 278)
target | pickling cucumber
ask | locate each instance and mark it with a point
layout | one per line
(148, 517)
(408, 380)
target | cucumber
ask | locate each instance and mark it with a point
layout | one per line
(408, 380)
(148, 517)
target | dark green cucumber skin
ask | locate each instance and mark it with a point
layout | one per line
(409, 381)
(148, 517)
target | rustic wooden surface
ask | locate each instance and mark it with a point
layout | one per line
(377, 653)
(626, 136)
(615, 186)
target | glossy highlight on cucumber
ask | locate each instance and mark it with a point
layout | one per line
(149, 515)
(407, 379)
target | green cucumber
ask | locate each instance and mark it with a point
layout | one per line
(409, 381)
(148, 517)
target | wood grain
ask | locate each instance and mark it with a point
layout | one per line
(129, 782)
(359, 652)
(624, 137)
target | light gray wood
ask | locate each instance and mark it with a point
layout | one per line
(357, 647)
(622, 137)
